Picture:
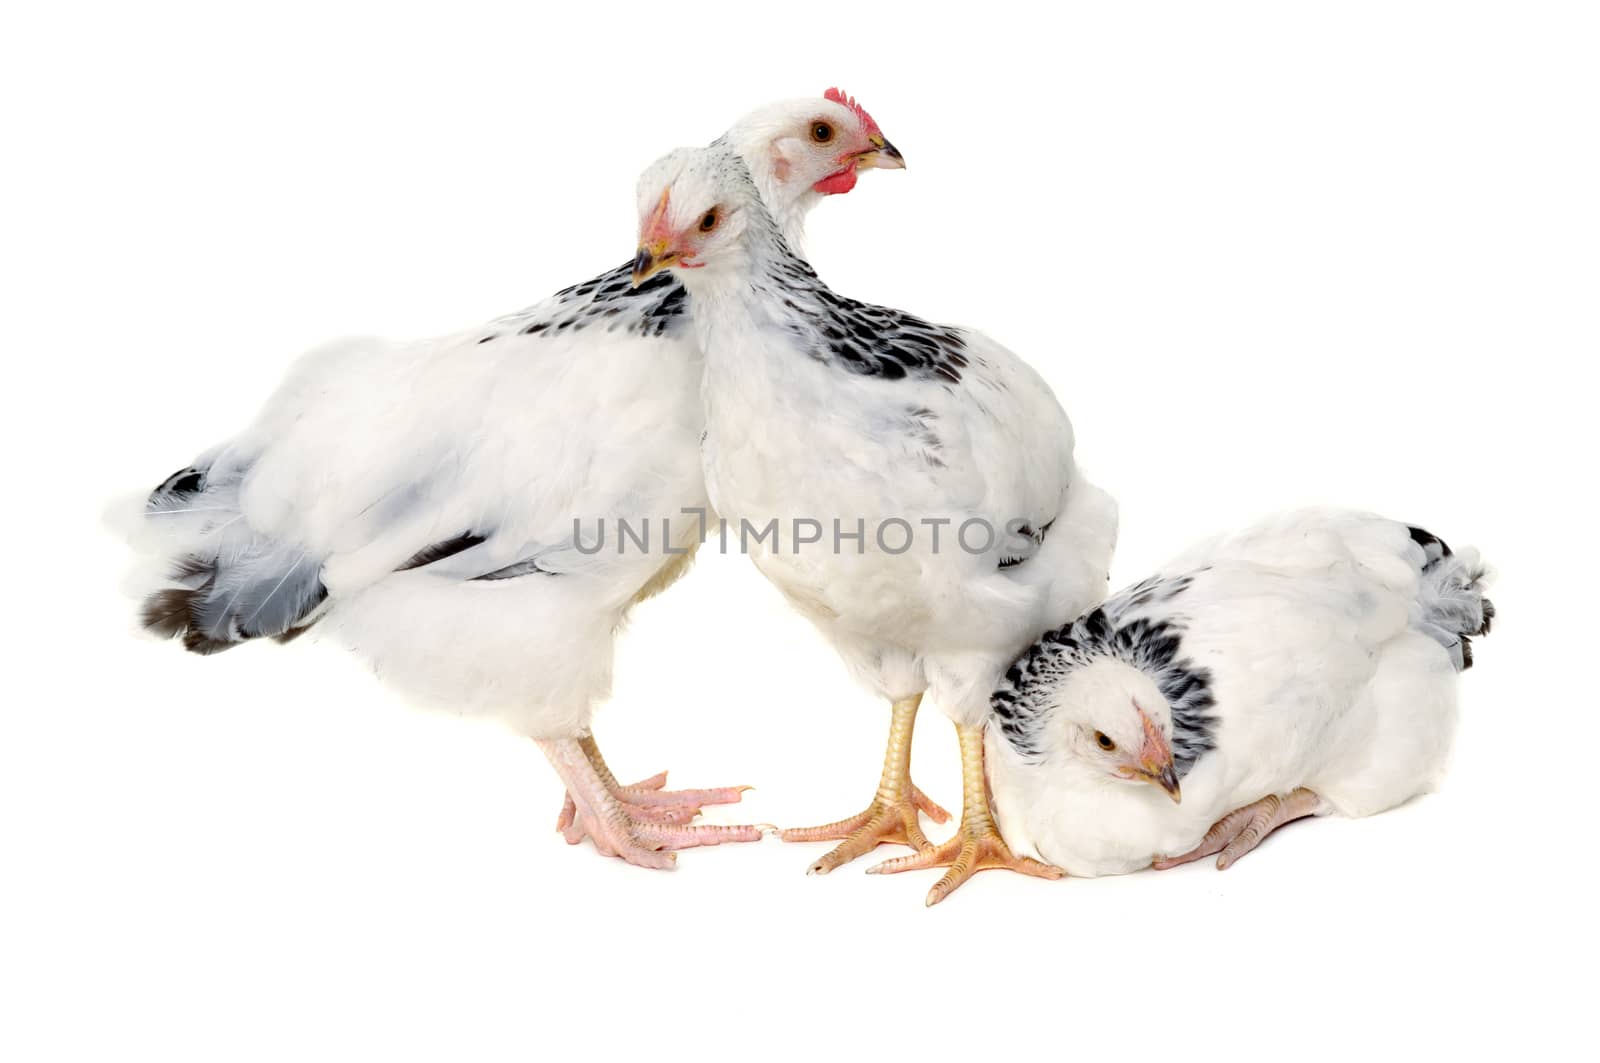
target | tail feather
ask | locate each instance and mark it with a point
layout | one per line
(1452, 609)
(223, 582)
(168, 612)
(180, 485)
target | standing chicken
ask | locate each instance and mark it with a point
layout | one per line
(1302, 667)
(422, 502)
(933, 465)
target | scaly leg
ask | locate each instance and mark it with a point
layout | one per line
(645, 799)
(1242, 829)
(615, 830)
(892, 816)
(977, 845)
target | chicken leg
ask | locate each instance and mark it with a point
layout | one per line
(1243, 829)
(891, 817)
(977, 845)
(647, 799)
(624, 829)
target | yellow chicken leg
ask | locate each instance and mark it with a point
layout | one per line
(977, 845)
(892, 815)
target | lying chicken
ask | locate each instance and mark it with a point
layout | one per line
(420, 502)
(935, 467)
(1305, 666)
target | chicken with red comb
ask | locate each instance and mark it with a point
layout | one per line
(955, 526)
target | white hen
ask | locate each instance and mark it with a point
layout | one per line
(1305, 666)
(930, 519)
(421, 502)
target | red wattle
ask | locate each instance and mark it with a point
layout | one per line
(837, 184)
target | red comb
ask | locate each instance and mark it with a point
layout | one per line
(839, 96)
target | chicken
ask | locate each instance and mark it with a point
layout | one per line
(909, 487)
(421, 503)
(1302, 667)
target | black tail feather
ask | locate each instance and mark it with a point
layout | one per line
(181, 484)
(1434, 549)
(1454, 610)
(168, 613)
(172, 613)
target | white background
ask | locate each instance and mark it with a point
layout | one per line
(1267, 254)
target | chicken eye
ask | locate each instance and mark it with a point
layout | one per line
(1105, 741)
(709, 222)
(821, 132)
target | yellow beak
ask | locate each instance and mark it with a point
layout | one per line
(653, 257)
(1166, 777)
(883, 156)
